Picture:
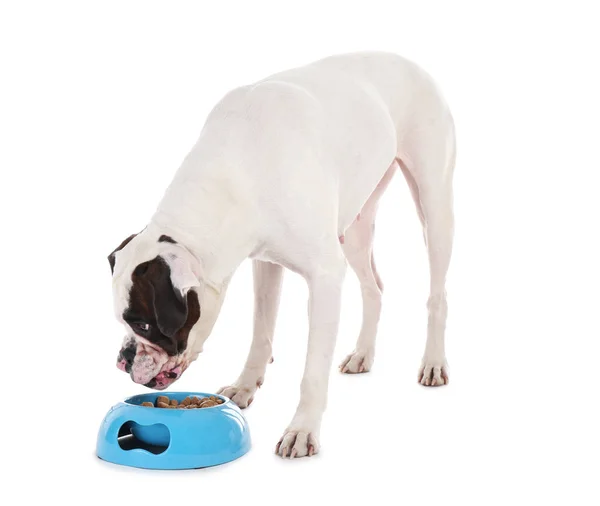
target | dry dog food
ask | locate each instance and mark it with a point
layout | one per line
(162, 401)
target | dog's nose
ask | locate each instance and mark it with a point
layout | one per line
(125, 360)
(122, 364)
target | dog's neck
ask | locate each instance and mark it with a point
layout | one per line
(206, 209)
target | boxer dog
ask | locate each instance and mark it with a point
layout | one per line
(288, 171)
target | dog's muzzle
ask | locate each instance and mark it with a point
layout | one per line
(142, 369)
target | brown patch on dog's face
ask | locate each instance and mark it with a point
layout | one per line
(111, 257)
(156, 311)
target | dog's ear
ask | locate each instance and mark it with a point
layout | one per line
(170, 308)
(111, 257)
(182, 275)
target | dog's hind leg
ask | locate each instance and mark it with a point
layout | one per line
(267, 288)
(358, 249)
(428, 165)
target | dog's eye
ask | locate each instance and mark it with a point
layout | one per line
(142, 327)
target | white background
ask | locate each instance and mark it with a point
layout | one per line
(100, 102)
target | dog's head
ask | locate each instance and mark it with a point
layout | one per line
(156, 288)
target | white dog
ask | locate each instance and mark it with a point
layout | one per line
(288, 171)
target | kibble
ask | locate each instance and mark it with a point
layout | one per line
(162, 401)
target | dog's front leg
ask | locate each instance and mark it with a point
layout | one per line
(267, 288)
(301, 438)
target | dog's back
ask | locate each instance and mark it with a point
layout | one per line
(338, 121)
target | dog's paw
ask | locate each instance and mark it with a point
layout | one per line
(433, 373)
(241, 395)
(297, 443)
(357, 362)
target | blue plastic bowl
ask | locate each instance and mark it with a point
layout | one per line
(155, 438)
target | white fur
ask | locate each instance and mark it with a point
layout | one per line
(281, 171)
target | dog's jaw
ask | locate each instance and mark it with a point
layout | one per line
(166, 378)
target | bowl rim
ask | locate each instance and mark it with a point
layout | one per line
(128, 400)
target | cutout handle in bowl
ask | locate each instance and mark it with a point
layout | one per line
(154, 438)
